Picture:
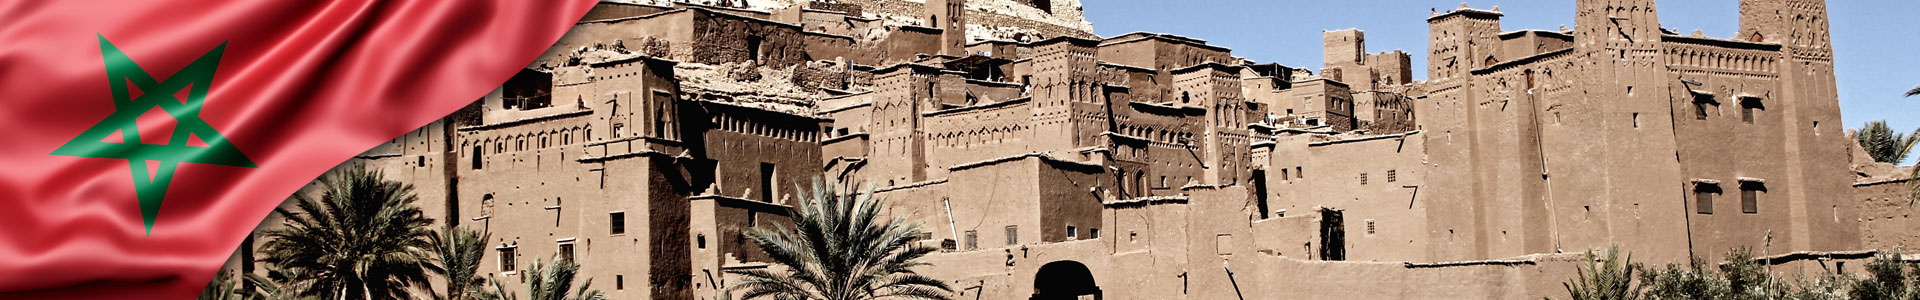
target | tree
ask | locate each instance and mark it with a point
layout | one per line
(1692, 282)
(459, 251)
(1610, 280)
(1887, 279)
(840, 249)
(1883, 144)
(360, 238)
(550, 282)
(228, 286)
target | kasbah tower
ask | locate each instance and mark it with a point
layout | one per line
(1047, 162)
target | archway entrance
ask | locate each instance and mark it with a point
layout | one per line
(1064, 280)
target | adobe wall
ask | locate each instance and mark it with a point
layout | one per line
(1885, 214)
(746, 142)
(1530, 277)
(1717, 150)
(1377, 183)
(972, 134)
(988, 19)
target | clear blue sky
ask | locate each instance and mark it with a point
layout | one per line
(1876, 42)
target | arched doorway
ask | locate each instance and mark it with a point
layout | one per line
(1064, 280)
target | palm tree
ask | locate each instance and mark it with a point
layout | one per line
(1883, 144)
(361, 238)
(228, 286)
(550, 282)
(1611, 280)
(840, 249)
(459, 251)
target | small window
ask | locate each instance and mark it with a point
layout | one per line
(1371, 228)
(1703, 197)
(619, 282)
(617, 222)
(700, 241)
(1393, 175)
(1702, 104)
(420, 161)
(1093, 233)
(1749, 106)
(506, 259)
(476, 157)
(973, 240)
(566, 251)
(1299, 172)
(1363, 178)
(1750, 196)
(1699, 110)
(1283, 174)
(1072, 233)
(767, 184)
(1013, 235)
(1223, 244)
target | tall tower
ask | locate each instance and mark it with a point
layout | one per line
(1068, 100)
(1809, 100)
(1625, 105)
(950, 17)
(1216, 87)
(1345, 51)
(1449, 115)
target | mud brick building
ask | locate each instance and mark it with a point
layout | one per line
(1050, 163)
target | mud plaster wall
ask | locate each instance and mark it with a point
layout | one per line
(1886, 216)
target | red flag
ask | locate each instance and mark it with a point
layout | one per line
(144, 139)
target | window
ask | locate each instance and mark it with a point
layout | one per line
(506, 259)
(1393, 175)
(1363, 178)
(1703, 197)
(420, 161)
(566, 251)
(1750, 196)
(1093, 233)
(1223, 244)
(476, 157)
(1748, 107)
(1072, 233)
(663, 126)
(753, 47)
(617, 222)
(700, 241)
(766, 182)
(973, 240)
(1163, 181)
(1013, 235)
(1702, 103)
(619, 282)
(1299, 172)
(1283, 174)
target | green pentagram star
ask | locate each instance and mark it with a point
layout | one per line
(152, 188)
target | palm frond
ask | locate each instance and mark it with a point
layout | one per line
(839, 247)
(360, 236)
(1914, 91)
(1884, 144)
(1609, 280)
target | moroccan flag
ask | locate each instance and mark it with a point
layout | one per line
(141, 140)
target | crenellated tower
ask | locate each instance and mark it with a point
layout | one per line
(1808, 98)
(951, 18)
(1069, 102)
